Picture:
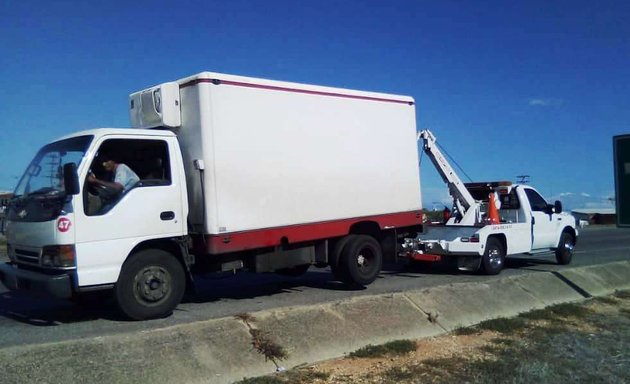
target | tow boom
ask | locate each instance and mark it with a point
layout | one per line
(468, 212)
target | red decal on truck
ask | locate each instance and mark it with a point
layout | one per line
(63, 224)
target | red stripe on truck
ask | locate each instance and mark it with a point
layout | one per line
(294, 90)
(270, 237)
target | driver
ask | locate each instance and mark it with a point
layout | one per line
(123, 180)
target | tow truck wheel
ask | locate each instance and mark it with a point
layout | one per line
(361, 260)
(151, 285)
(564, 252)
(493, 258)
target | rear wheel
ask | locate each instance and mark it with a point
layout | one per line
(361, 260)
(564, 252)
(338, 272)
(151, 285)
(493, 258)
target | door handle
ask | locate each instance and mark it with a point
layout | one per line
(167, 215)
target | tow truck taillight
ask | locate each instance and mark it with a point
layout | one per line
(61, 256)
(472, 239)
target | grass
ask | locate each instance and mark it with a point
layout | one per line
(503, 325)
(393, 348)
(558, 312)
(606, 300)
(294, 376)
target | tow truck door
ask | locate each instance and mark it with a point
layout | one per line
(544, 223)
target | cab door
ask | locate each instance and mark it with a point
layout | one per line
(108, 228)
(544, 221)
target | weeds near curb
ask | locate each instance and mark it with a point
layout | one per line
(606, 300)
(262, 342)
(552, 313)
(393, 348)
(503, 325)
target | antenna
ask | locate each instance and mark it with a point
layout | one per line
(523, 179)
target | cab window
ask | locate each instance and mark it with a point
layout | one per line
(122, 165)
(537, 202)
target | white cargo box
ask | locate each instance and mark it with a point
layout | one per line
(280, 154)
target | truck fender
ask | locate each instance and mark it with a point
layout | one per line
(570, 230)
(177, 247)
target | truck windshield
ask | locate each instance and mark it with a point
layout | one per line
(44, 176)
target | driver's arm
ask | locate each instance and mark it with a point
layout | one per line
(109, 184)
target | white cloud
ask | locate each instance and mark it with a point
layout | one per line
(540, 102)
(584, 194)
(564, 194)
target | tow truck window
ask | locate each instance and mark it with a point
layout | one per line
(537, 202)
(148, 159)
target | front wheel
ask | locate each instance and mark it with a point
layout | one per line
(564, 252)
(493, 258)
(151, 284)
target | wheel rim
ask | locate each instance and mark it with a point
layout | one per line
(365, 260)
(152, 285)
(568, 245)
(494, 258)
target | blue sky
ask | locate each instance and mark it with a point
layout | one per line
(508, 87)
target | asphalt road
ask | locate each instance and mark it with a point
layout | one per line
(29, 320)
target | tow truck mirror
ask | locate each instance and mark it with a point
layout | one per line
(71, 179)
(557, 206)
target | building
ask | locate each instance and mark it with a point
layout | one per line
(595, 215)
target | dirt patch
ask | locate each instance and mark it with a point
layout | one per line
(585, 342)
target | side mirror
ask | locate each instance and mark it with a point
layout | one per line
(71, 179)
(557, 206)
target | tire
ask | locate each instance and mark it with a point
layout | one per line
(296, 271)
(493, 259)
(361, 260)
(151, 285)
(564, 252)
(338, 272)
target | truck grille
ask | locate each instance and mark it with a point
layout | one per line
(27, 256)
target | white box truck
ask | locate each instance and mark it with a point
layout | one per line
(231, 172)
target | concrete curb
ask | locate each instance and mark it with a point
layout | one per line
(220, 350)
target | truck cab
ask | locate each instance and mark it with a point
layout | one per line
(67, 236)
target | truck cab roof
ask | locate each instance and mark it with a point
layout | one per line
(120, 131)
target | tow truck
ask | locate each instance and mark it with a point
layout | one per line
(490, 221)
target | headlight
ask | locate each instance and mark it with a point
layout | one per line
(62, 256)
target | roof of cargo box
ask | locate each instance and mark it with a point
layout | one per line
(281, 86)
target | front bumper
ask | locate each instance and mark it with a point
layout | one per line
(59, 286)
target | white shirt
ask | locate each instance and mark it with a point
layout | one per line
(126, 177)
